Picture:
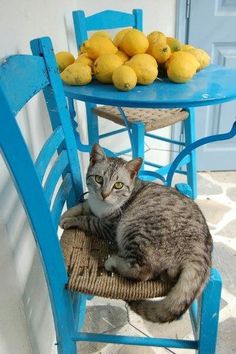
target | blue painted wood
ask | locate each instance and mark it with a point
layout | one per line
(48, 150)
(79, 305)
(60, 198)
(113, 132)
(92, 124)
(209, 307)
(60, 167)
(189, 126)
(9, 80)
(138, 131)
(172, 141)
(213, 85)
(143, 341)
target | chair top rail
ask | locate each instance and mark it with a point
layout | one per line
(21, 77)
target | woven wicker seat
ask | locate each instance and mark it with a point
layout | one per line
(152, 118)
(85, 257)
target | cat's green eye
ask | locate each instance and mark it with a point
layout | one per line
(99, 179)
(118, 185)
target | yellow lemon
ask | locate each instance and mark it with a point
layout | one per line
(84, 59)
(174, 44)
(134, 42)
(182, 68)
(186, 47)
(104, 67)
(119, 36)
(77, 74)
(161, 52)
(183, 56)
(101, 34)
(124, 78)
(202, 57)
(64, 59)
(156, 37)
(123, 56)
(99, 45)
(145, 67)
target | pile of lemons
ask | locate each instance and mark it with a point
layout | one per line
(131, 58)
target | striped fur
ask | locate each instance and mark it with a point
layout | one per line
(159, 232)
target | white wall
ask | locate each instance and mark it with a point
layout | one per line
(25, 319)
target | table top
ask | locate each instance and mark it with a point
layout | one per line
(213, 85)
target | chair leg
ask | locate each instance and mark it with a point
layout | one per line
(189, 126)
(92, 124)
(79, 306)
(208, 314)
(138, 134)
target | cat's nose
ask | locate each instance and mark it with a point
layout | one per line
(105, 194)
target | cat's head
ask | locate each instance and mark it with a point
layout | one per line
(110, 179)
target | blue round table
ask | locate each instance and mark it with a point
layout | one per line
(213, 85)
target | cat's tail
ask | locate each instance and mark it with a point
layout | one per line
(189, 285)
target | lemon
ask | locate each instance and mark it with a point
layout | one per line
(181, 68)
(183, 56)
(84, 59)
(156, 37)
(134, 42)
(101, 34)
(64, 59)
(119, 36)
(122, 55)
(161, 52)
(99, 45)
(186, 47)
(202, 57)
(174, 44)
(124, 78)
(104, 67)
(145, 67)
(77, 74)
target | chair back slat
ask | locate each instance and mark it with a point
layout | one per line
(58, 110)
(58, 169)
(107, 19)
(61, 197)
(48, 150)
(21, 87)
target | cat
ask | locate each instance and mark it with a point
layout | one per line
(160, 233)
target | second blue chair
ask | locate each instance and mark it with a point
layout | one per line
(141, 122)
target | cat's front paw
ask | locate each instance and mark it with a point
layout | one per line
(67, 223)
(110, 264)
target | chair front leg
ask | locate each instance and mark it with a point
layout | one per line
(208, 314)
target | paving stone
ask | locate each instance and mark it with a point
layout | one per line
(212, 210)
(227, 341)
(231, 193)
(229, 230)
(206, 187)
(224, 176)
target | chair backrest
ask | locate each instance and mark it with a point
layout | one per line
(43, 195)
(108, 19)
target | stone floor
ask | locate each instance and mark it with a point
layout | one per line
(217, 199)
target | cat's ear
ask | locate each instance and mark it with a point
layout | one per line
(133, 166)
(97, 154)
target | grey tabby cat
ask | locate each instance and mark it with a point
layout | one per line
(159, 232)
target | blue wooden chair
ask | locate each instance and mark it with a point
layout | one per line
(141, 121)
(69, 273)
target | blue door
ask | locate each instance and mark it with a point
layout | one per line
(211, 25)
